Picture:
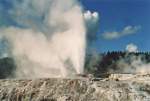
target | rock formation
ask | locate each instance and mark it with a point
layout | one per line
(116, 87)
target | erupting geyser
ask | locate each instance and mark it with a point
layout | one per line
(49, 38)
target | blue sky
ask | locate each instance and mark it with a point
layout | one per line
(115, 15)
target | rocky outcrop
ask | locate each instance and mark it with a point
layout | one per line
(114, 88)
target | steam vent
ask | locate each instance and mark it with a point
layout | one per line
(117, 87)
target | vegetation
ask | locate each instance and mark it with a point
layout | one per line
(7, 67)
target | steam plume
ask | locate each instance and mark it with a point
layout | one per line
(136, 64)
(48, 39)
(131, 48)
(132, 62)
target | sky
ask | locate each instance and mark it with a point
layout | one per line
(122, 22)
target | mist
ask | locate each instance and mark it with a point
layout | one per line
(49, 39)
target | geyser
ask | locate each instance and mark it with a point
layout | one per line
(48, 39)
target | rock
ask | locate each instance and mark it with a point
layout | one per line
(118, 87)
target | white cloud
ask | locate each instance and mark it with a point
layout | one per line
(128, 30)
(91, 17)
(131, 48)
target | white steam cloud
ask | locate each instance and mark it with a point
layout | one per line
(49, 39)
(131, 48)
(132, 62)
(128, 30)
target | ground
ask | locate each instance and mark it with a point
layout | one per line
(115, 87)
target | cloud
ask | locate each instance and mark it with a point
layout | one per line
(92, 24)
(128, 30)
(131, 48)
(91, 17)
